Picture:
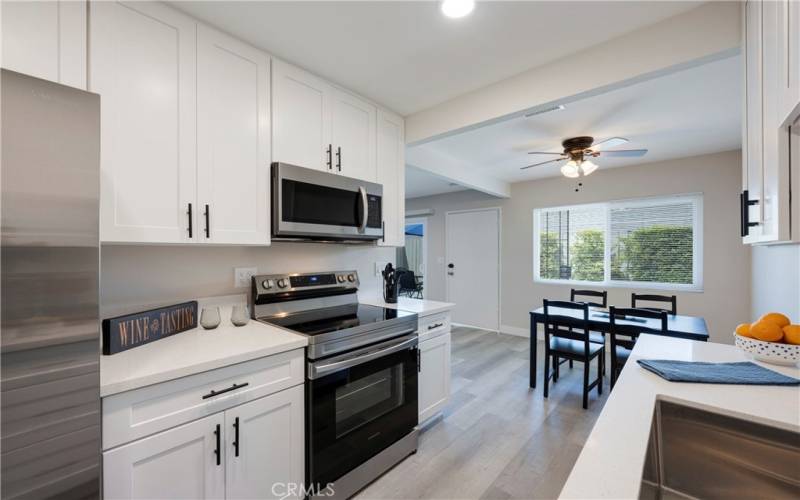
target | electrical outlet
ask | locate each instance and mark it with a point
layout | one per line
(242, 276)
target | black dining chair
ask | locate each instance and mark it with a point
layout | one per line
(409, 285)
(567, 337)
(642, 297)
(623, 337)
(574, 296)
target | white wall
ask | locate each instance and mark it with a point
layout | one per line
(725, 300)
(136, 277)
(776, 280)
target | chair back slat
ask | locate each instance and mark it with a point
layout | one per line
(643, 297)
(564, 326)
(589, 293)
(617, 313)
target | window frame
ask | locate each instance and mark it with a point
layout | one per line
(697, 243)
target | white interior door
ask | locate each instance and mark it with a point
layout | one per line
(473, 267)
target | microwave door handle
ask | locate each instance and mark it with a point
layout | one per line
(364, 209)
(319, 370)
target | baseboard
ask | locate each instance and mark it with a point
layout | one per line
(518, 332)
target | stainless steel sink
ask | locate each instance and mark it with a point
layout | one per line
(698, 453)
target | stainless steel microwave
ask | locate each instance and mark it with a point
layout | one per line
(314, 205)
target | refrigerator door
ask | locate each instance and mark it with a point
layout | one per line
(50, 343)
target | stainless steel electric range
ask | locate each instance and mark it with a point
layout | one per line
(361, 375)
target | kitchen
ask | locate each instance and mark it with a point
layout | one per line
(234, 186)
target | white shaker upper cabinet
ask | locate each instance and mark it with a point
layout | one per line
(179, 463)
(391, 174)
(233, 140)
(143, 66)
(266, 446)
(353, 125)
(301, 124)
(46, 40)
(788, 33)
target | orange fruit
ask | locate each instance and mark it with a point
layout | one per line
(743, 330)
(791, 334)
(766, 331)
(779, 319)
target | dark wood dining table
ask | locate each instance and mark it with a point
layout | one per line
(686, 327)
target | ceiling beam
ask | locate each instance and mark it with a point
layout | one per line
(709, 32)
(443, 166)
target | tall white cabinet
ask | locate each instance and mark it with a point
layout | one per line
(45, 39)
(391, 174)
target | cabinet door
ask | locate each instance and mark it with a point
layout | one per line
(143, 67)
(353, 136)
(434, 376)
(788, 30)
(46, 40)
(752, 140)
(266, 456)
(232, 139)
(301, 124)
(178, 463)
(390, 147)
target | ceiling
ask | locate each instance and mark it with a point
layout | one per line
(691, 112)
(407, 56)
(422, 183)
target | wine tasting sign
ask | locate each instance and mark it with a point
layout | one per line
(126, 332)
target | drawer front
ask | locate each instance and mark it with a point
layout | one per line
(434, 325)
(135, 414)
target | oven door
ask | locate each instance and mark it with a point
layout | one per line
(312, 204)
(358, 405)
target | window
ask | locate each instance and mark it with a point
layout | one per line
(647, 243)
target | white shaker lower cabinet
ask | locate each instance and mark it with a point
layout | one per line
(265, 446)
(178, 463)
(391, 170)
(233, 140)
(434, 362)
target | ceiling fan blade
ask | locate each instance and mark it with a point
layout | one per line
(623, 153)
(544, 153)
(609, 143)
(543, 163)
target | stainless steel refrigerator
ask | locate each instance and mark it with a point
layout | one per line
(49, 261)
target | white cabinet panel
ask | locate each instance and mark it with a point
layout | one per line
(46, 40)
(353, 125)
(233, 139)
(266, 457)
(788, 33)
(752, 140)
(301, 125)
(434, 376)
(178, 463)
(391, 169)
(143, 67)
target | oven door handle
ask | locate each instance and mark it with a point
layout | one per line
(320, 370)
(364, 209)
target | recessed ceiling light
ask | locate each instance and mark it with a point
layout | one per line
(457, 8)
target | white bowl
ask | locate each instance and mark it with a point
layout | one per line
(774, 353)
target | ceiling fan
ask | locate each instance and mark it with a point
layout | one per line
(577, 150)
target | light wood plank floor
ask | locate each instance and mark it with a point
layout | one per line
(498, 439)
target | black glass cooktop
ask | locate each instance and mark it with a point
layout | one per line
(320, 321)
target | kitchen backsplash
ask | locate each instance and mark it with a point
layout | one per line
(135, 276)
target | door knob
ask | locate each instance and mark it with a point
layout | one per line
(450, 265)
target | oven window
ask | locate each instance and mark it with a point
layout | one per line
(366, 399)
(314, 204)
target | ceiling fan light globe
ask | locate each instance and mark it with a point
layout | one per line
(570, 169)
(588, 167)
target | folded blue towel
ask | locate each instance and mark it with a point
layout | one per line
(745, 372)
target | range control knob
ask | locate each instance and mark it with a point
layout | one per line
(351, 277)
(267, 284)
(282, 283)
(340, 278)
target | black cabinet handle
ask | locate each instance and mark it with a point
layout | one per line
(419, 361)
(236, 437)
(217, 450)
(208, 227)
(330, 156)
(223, 391)
(744, 211)
(383, 231)
(339, 159)
(437, 325)
(189, 213)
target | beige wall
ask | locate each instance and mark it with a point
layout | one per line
(725, 300)
(133, 277)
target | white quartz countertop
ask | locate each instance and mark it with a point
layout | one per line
(192, 352)
(419, 306)
(610, 465)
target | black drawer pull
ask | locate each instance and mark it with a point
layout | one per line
(437, 325)
(236, 437)
(208, 227)
(216, 450)
(223, 391)
(189, 213)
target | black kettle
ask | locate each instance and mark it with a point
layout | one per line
(391, 283)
